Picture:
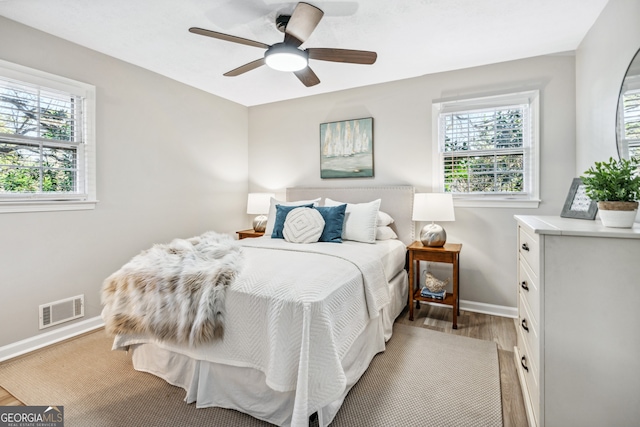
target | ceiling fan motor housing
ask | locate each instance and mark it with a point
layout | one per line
(281, 22)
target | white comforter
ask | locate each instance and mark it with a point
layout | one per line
(294, 312)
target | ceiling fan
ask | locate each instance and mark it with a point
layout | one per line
(287, 55)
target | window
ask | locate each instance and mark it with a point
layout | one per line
(487, 150)
(47, 146)
(629, 125)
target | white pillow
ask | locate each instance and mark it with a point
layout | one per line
(360, 220)
(271, 218)
(384, 219)
(303, 225)
(385, 233)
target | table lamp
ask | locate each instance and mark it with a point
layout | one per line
(258, 204)
(433, 207)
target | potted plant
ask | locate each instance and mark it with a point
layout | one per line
(615, 185)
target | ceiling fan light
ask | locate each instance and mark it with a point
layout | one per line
(286, 58)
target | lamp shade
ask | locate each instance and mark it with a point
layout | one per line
(258, 203)
(433, 207)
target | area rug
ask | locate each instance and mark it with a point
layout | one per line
(424, 378)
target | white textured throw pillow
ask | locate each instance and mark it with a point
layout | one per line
(385, 233)
(303, 225)
(384, 219)
(271, 218)
(360, 220)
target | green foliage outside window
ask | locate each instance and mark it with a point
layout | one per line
(483, 152)
(33, 165)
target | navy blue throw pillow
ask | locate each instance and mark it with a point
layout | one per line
(281, 215)
(333, 222)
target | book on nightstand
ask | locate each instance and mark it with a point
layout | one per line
(425, 292)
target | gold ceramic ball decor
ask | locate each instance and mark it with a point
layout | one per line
(433, 235)
(260, 223)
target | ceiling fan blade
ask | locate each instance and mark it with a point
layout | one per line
(303, 21)
(307, 77)
(227, 37)
(244, 68)
(342, 55)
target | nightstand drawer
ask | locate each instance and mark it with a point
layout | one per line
(528, 288)
(528, 327)
(528, 246)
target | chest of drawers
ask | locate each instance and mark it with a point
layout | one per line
(578, 314)
(528, 322)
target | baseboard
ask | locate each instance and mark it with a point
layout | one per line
(42, 340)
(495, 310)
(480, 307)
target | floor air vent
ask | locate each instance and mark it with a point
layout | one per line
(61, 311)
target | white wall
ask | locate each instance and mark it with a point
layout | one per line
(284, 151)
(601, 62)
(171, 162)
(195, 175)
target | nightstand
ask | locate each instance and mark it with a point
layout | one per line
(245, 234)
(449, 253)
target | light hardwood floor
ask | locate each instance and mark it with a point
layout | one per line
(475, 325)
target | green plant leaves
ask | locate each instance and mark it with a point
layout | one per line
(613, 180)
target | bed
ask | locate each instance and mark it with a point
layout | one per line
(302, 321)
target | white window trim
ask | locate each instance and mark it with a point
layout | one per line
(86, 91)
(532, 154)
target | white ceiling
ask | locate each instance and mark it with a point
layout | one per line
(411, 37)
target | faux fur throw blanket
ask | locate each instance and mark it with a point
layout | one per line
(174, 292)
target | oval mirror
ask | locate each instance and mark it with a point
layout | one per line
(628, 116)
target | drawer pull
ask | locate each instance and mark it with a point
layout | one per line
(525, 247)
(524, 325)
(524, 285)
(522, 362)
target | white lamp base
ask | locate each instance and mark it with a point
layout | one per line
(260, 223)
(433, 235)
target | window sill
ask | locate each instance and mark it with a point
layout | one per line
(495, 203)
(47, 206)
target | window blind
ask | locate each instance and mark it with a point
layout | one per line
(483, 150)
(41, 138)
(631, 121)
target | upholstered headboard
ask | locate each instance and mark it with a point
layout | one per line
(397, 201)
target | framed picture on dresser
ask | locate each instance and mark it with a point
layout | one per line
(578, 205)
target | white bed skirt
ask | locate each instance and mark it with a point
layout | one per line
(244, 389)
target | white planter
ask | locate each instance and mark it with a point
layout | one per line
(617, 218)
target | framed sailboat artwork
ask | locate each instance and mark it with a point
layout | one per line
(346, 149)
